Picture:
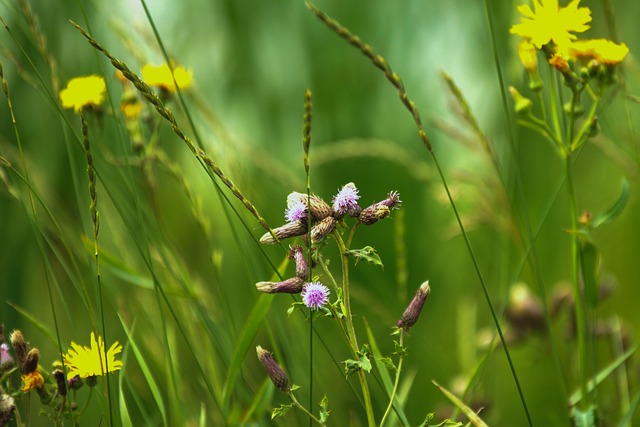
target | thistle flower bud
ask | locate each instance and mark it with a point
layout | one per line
(31, 363)
(6, 361)
(60, 382)
(291, 229)
(322, 229)
(275, 372)
(20, 347)
(523, 104)
(380, 210)
(302, 268)
(411, 314)
(289, 286)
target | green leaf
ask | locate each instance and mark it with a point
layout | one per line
(352, 366)
(626, 420)
(615, 210)
(468, 412)
(281, 411)
(576, 397)
(584, 418)
(368, 254)
(589, 261)
(324, 411)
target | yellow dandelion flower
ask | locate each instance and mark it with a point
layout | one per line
(31, 381)
(82, 92)
(88, 362)
(603, 50)
(549, 22)
(131, 108)
(160, 76)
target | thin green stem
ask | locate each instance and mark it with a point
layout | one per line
(577, 292)
(397, 380)
(350, 328)
(303, 409)
(553, 102)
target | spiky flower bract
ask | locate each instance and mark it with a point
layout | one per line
(315, 295)
(90, 361)
(83, 92)
(548, 22)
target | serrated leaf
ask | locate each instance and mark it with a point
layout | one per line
(281, 411)
(386, 361)
(584, 418)
(615, 210)
(589, 261)
(324, 412)
(368, 253)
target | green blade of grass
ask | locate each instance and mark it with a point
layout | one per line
(468, 412)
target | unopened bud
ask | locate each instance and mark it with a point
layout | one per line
(31, 362)
(524, 311)
(302, 268)
(20, 347)
(289, 286)
(373, 214)
(411, 314)
(60, 382)
(322, 229)
(290, 229)
(523, 104)
(275, 372)
(6, 361)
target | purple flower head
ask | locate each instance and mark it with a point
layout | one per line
(392, 200)
(315, 295)
(346, 201)
(6, 361)
(296, 207)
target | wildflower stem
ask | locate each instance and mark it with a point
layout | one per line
(397, 380)
(350, 328)
(553, 101)
(577, 292)
(95, 219)
(303, 409)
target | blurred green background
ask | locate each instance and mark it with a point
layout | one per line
(252, 62)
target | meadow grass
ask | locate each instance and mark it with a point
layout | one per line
(476, 266)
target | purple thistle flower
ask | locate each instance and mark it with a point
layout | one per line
(6, 361)
(346, 201)
(315, 295)
(296, 207)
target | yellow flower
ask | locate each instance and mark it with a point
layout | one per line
(82, 92)
(88, 362)
(602, 50)
(160, 76)
(31, 381)
(550, 22)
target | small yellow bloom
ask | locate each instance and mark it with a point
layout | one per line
(31, 381)
(131, 108)
(528, 55)
(160, 76)
(82, 92)
(88, 362)
(549, 22)
(602, 50)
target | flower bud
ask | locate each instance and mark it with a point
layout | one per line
(20, 347)
(31, 362)
(411, 314)
(289, 286)
(373, 214)
(524, 310)
(523, 105)
(275, 372)
(346, 201)
(322, 229)
(6, 361)
(302, 268)
(60, 382)
(291, 229)
(298, 204)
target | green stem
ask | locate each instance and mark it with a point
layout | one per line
(303, 409)
(575, 280)
(350, 328)
(397, 380)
